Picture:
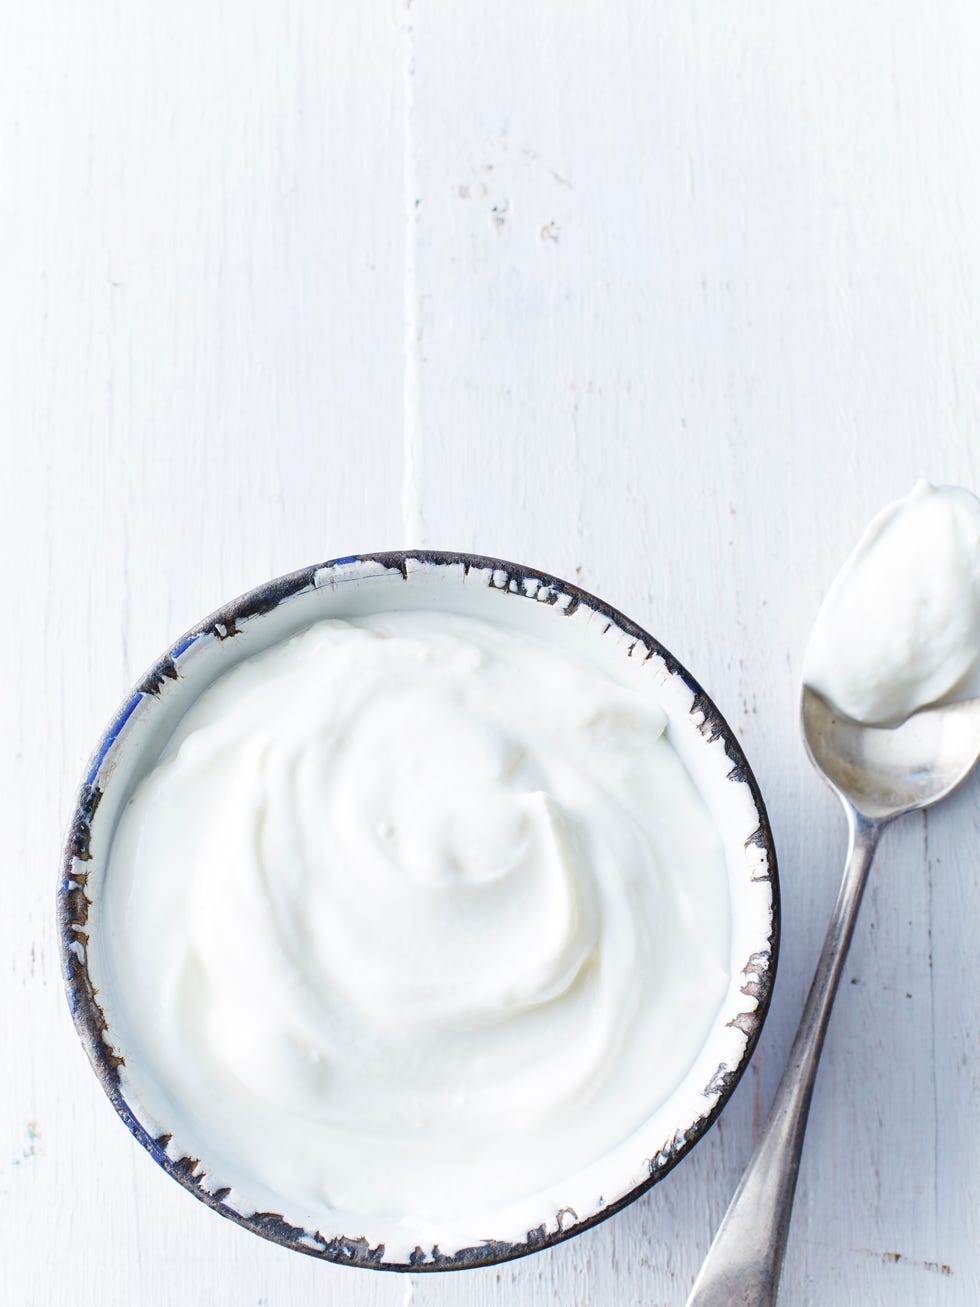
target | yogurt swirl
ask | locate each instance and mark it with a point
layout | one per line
(415, 913)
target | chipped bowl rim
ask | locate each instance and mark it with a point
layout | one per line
(73, 904)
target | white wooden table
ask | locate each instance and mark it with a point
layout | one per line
(665, 298)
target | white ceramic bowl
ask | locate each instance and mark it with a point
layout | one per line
(520, 598)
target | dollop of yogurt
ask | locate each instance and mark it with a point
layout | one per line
(415, 915)
(899, 629)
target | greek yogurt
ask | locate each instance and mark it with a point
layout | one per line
(415, 915)
(899, 629)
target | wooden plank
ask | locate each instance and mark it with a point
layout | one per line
(692, 288)
(202, 387)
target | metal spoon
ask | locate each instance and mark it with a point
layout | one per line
(878, 774)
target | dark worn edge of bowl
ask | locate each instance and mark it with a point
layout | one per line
(90, 1022)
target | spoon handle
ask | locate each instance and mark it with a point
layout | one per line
(743, 1264)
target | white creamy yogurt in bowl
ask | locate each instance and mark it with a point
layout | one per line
(419, 911)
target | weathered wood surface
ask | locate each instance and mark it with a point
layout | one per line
(664, 298)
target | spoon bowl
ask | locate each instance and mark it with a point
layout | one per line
(885, 771)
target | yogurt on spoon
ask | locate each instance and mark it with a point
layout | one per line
(899, 629)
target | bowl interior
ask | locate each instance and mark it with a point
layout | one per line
(522, 599)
